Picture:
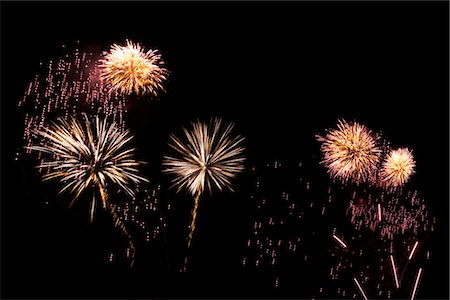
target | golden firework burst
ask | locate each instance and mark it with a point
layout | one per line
(85, 155)
(127, 69)
(350, 152)
(210, 157)
(397, 168)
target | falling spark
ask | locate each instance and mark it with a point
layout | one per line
(379, 212)
(395, 271)
(413, 250)
(416, 284)
(363, 294)
(397, 168)
(350, 152)
(339, 241)
(129, 69)
(209, 157)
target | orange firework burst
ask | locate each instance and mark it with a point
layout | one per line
(397, 168)
(128, 69)
(350, 152)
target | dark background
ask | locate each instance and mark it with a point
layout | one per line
(282, 71)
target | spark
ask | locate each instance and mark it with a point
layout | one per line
(339, 241)
(350, 152)
(413, 250)
(208, 157)
(88, 155)
(395, 271)
(397, 168)
(129, 69)
(379, 212)
(416, 284)
(360, 289)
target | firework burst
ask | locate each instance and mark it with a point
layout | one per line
(210, 157)
(397, 168)
(88, 154)
(351, 152)
(127, 69)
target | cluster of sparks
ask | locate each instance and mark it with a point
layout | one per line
(351, 152)
(385, 244)
(68, 86)
(127, 69)
(145, 214)
(381, 255)
(281, 234)
(390, 214)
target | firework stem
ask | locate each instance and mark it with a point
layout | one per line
(192, 228)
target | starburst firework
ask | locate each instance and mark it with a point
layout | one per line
(129, 69)
(209, 157)
(397, 168)
(350, 152)
(88, 155)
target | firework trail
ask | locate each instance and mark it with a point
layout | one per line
(416, 284)
(351, 152)
(90, 155)
(127, 69)
(209, 157)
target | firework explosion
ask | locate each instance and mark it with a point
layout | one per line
(90, 155)
(351, 152)
(385, 245)
(397, 168)
(127, 69)
(210, 157)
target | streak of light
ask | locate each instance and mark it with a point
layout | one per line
(413, 250)
(395, 271)
(416, 284)
(379, 212)
(339, 241)
(363, 294)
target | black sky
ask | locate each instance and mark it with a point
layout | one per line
(282, 71)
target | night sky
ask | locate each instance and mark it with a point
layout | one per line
(283, 72)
